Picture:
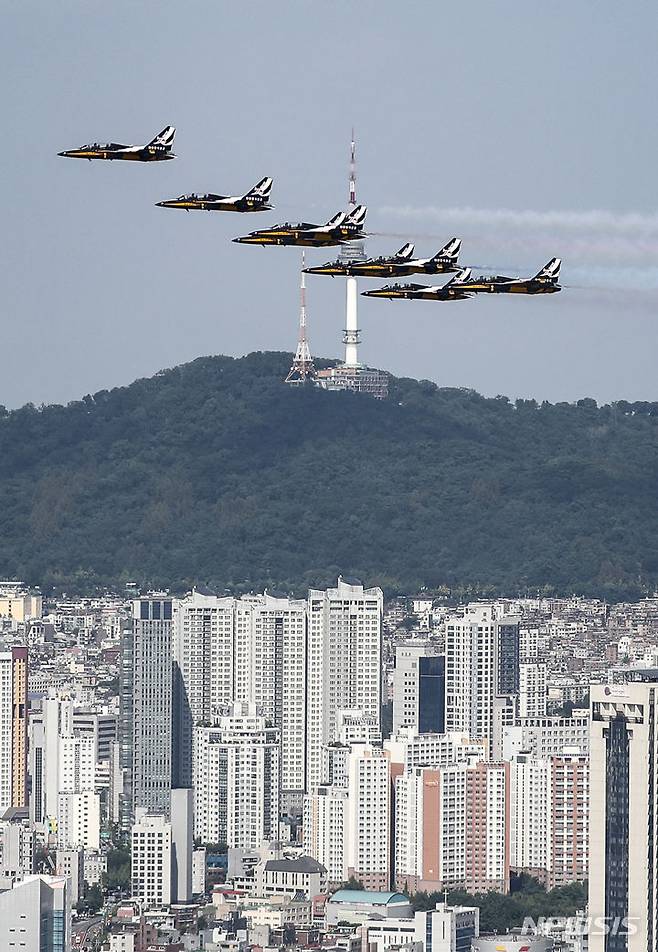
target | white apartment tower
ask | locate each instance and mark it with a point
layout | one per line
(13, 728)
(623, 877)
(203, 652)
(482, 662)
(347, 824)
(530, 814)
(533, 688)
(343, 663)
(249, 649)
(271, 673)
(236, 779)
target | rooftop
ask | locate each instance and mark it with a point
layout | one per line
(303, 864)
(369, 896)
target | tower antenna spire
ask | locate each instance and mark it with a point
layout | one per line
(302, 368)
(352, 197)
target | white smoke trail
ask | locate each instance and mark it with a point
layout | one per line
(605, 248)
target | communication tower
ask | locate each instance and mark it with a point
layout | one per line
(302, 368)
(352, 374)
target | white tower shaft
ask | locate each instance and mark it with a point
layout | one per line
(352, 252)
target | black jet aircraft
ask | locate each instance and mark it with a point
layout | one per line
(255, 200)
(396, 266)
(452, 290)
(343, 227)
(544, 282)
(157, 150)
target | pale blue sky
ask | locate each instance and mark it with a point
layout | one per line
(526, 128)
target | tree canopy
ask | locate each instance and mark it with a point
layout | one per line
(216, 473)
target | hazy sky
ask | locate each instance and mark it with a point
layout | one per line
(528, 129)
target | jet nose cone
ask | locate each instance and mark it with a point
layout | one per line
(64, 154)
(239, 241)
(162, 204)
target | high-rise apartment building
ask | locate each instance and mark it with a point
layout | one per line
(13, 728)
(570, 806)
(482, 662)
(623, 868)
(533, 688)
(203, 637)
(249, 649)
(146, 707)
(236, 779)
(452, 828)
(343, 663)
(347, 823)
(530, 815)
(418, 690)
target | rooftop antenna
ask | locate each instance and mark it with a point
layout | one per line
(302, 368)
(352, 252)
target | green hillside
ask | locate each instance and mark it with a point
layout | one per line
(217, 473)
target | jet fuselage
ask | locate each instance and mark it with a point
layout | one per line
(498, 284)
(218, 203)
(385, 267)
(419, 292)
(126, 153)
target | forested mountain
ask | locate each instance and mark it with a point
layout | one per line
(217, 473)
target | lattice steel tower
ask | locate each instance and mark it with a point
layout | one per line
(302, 368)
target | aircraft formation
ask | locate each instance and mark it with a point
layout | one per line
(342, 228)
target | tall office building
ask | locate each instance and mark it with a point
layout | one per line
(35, 915)
(623, 886)
(236, 779)
(150, 860)
(418, 690)
(347, 823)
(482, 662)
(343, 663)
(13, 728)
(146, 707)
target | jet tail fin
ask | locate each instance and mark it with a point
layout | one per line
(166, 137)
(550, 271)
(459, 277)
(357, 216)
(337, 220)
(451, 250)
(262, 188)
(405, 252)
